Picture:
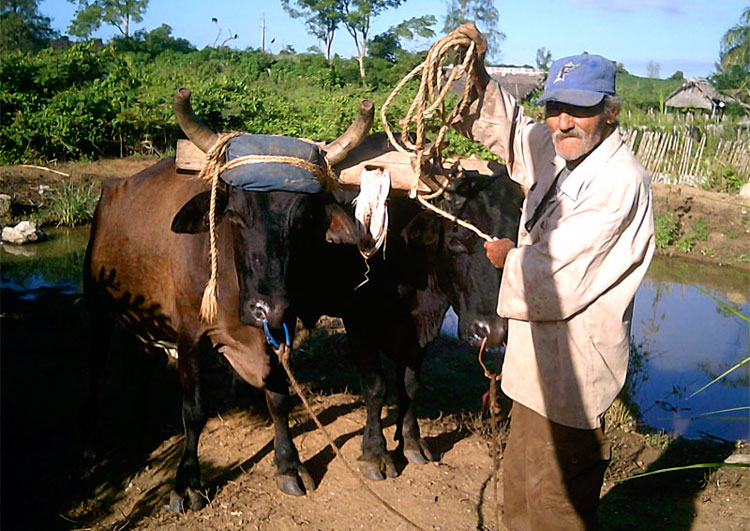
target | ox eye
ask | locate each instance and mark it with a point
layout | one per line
(456, 246)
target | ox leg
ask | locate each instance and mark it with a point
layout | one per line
(187, 493)
(414, 447)
(289, 470)
(375, 461)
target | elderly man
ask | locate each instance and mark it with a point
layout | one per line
(584, 243)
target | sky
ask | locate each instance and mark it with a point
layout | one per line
(676, 34)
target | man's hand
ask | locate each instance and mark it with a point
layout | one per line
(479, 74)
(497, 251)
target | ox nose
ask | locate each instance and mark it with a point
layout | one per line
(479, 330)
(493, 331)
(259, 312)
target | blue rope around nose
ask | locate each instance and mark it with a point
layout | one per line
(269, 337)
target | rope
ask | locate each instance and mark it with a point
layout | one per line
(429, 101)
(283, 353)
(493, 418)
(214, 166)
(454, 219)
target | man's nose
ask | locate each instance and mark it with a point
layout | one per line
(565, 121)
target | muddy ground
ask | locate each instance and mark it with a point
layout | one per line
(53, 479)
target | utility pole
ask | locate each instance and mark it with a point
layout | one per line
(263, 33)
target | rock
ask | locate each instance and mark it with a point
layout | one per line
(745, 191)
(24, 232)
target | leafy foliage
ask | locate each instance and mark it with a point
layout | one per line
(735, 45)
(118, 13)
(322, 18)
(22, 27)
(484, 14)
(358, 15)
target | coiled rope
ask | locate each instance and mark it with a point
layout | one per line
(428, 103)
(430, 98)
(215, 164)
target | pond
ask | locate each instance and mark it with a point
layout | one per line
(684, 338)
(687, 334)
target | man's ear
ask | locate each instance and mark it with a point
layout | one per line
(341, 226)
(422, 231)
(613, 114)
(193, 216)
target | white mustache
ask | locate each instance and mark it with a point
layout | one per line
(574, 133)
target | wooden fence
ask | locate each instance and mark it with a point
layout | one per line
(681, 157)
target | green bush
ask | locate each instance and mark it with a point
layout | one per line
(666, 227)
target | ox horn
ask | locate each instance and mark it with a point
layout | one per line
(198, 133)
(337, 150)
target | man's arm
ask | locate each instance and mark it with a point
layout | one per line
(495, 119)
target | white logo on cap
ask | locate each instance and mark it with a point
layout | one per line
(565, 70)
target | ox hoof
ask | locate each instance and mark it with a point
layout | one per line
(378, 468)
(420, 455)
(289, 483)
(192, 500)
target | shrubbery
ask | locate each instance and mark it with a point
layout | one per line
(91, 101)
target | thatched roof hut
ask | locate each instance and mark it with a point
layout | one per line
(697, 93)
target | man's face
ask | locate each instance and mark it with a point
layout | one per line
(576, 131)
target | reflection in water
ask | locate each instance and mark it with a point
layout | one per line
(687, 339)
(56, 262)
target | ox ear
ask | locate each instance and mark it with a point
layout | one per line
(341, 226)
(193, 216)
(422, 231)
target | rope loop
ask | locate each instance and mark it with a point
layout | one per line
(429, 101)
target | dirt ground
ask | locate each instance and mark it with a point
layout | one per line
(52, 478)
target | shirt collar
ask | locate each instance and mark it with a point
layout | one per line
(572, 184)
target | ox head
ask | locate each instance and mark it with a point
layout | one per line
(457, 255)
(269, 230)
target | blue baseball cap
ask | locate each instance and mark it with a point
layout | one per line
(581, 80)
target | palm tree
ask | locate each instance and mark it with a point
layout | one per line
(735, 45)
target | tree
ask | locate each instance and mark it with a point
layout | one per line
(543, 58)
(484, 14)
(388, 45)
(322, 18)
(22, 27)
(678, 76)
(735, 45)
(358, 15)
(652, 69)
(154, 42)
(118, 13)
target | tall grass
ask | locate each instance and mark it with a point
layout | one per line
(70, 204)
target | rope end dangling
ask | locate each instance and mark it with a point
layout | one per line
(210, 303)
